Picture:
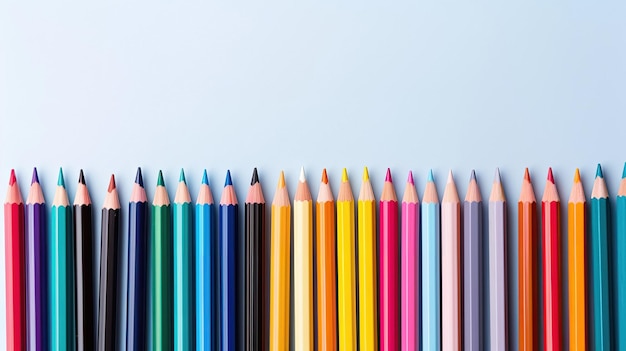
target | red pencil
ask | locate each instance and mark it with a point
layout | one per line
(15, 267)
(551, 238)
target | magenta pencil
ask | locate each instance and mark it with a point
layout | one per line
(388, 256)
(410, 268)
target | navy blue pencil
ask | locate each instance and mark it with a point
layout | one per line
(227, 234)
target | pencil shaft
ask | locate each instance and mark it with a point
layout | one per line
(450, 276)
(527, 225)
(368, 280)
(551, 274)
(15, 275)
(86, 296)
(205, 270)
(161, 279)
(183, 277)
(498, 275)
(410, 276)
(254, 231)
(346, 276)
(472, 275)
(61, 273)
(326, 287)
(303, 274)
(389, 277)
(107, 316)
(576, 267)
(620, 274)
(264, 285)
(138, 231)
(279, 278)
(227, 232)
(36, 284)
(601, 327)
(431, 277)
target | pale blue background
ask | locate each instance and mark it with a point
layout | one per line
(279, 84)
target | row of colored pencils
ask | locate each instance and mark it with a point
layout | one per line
(184, 277)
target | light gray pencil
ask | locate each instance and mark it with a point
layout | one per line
(472, 266)
(498, 315)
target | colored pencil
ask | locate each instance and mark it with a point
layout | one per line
(527, 266)
(15, 264)
(86, 277)
(618, 267)
(472, 267)
(280, 268)
(410, 267)
(303, 265)
(227, 234)
(551, 236)
(346, 266)
(264, 249)
(122, 299)
(450, 267)
(138, 231)
(205, 268)
(161, 271)
(183, 268)
(498, 263)
(367, 266)
(61, 272)
(36, 279)
(326, 267)
(109, 278)
(389, 270)
(256, 291)
(576, 265)
(431, 267)
(599, 267)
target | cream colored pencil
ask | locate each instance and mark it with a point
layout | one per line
(450, 267)
(303, 266)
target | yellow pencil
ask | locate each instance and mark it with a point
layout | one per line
(346, 274)
(576, 258)
(303, 266)
(279, 270)
(368, 317)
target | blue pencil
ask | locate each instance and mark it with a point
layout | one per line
(431, 268)
(205, 255)
(228, 233)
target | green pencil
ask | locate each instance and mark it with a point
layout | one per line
(183, 265)
(161, 275)
(61, 272)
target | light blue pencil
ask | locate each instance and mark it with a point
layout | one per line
(619, 267)
(431, 268)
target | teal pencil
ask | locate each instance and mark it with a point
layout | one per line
(619, 266)
(183, 268)
(601, 326)
(61, 272)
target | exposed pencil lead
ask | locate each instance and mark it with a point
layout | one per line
(577, 176)
(228, 180)
(181, 178)
(599, 172)
(473, 175)
(81, 177)
(324, 176)
(344, 175)
(12, 178)
(111, 183)
(255, 177)
(160, 181)
(388, 176)
(281, 180)
(205, 178)
(61, 181)
(302, 176)
(550, 176)
(35, 178)
(526, 175)
(139, 177)
(431, 178)
(496, 177)
(410, 178)
(366, 174)
(450, 177)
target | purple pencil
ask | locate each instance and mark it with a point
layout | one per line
(472, 289)
(497, 266)
(35, 266)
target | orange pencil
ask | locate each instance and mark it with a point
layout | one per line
(576, 258)
(527, 246)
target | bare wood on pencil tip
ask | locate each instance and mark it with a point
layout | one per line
(450, 194)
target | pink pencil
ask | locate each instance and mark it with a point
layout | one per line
(389, 270)
(450, 267)
(410, 271)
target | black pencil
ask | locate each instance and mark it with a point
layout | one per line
(257, 270)
(108, 269)
(86, 297)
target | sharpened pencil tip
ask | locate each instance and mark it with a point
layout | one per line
(550, 176)
(205, 178)
(324, 176)
(496, 177)
(139, 177)
(344, 175)
(35, 178)
(450, 177)
(281, 180)
(61, 181)
(302, 178)
(526, 174)
(160, 181)
(577, 176)
(431, 178)
(388, 176)
(599, 172)
(366, 174)
(12, 178)
(228, 180)
(255, 177)
(111, 183)
(473, 175)
(624, 171)
(410, 178)
(81, 177)
(181, 178)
